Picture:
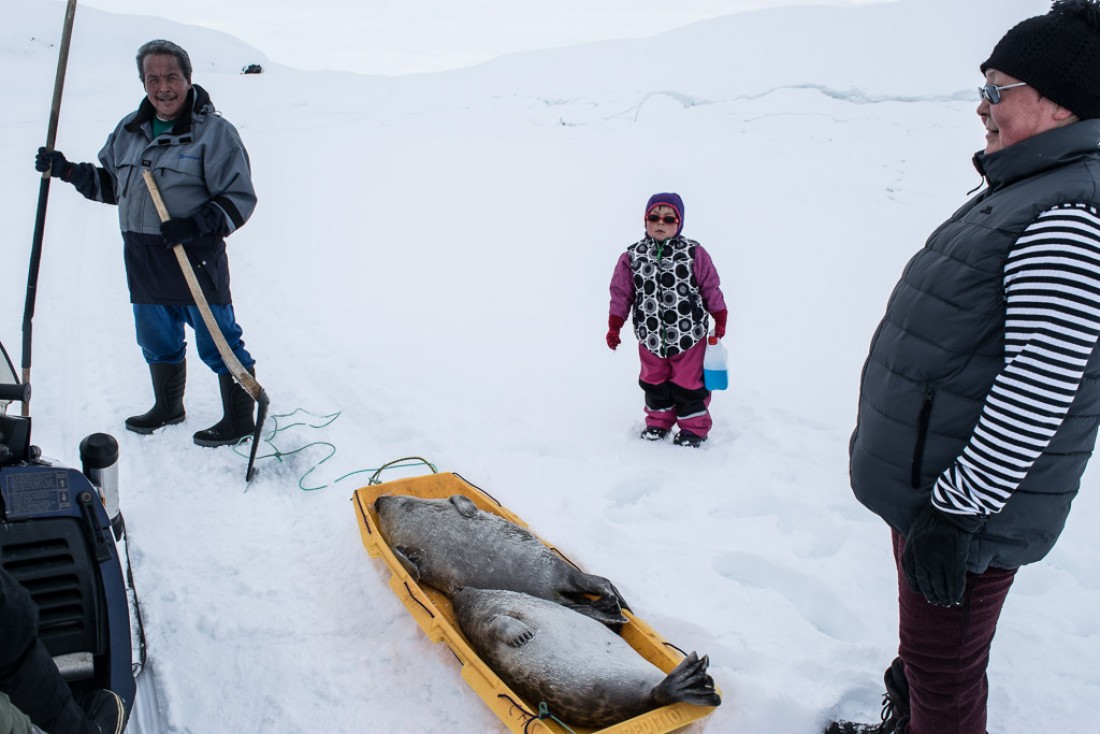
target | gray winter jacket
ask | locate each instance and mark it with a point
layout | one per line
(202, 170)
(938, 349)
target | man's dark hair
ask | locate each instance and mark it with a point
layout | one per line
(160, 46)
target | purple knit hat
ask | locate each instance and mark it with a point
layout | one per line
(668, 199)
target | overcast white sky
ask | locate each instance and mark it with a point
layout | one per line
(411, 36)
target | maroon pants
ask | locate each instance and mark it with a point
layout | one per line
(946, 650)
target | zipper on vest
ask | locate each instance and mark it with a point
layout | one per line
(922, 434)
(660, 256)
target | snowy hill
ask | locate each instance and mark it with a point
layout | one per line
(430, 258)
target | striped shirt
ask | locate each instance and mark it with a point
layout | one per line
(1052, 325)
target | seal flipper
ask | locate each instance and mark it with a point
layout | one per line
(590, 583)
(604, 611)
(409, 560)
(619, 598)
(688, 683)
(607, 608)
(464, 505)
(510, 630)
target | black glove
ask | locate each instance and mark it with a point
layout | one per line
(179, 230)
(934, 559)
(54, 162)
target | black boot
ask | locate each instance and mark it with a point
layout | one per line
(895, 707)
(689, 439)
(105, 711)
(169, 381)
(237, 420)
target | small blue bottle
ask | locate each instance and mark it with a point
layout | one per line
(715, 365)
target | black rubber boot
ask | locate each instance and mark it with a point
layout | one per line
(169, 381)
(237, 419)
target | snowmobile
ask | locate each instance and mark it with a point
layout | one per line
(63, 538)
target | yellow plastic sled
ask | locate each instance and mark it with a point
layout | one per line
(432, 611)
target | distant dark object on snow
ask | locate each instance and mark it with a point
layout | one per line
(253, 69)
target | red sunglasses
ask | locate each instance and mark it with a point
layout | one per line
(667, 219)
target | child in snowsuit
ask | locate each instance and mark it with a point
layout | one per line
(669, 284)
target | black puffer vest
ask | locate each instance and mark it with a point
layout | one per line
(937, 351)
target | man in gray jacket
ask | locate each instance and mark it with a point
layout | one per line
(980, 398)
(202, 170)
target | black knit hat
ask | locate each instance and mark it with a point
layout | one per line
(1058, 54)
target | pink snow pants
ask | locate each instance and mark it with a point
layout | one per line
(946, 651)
(674, 391)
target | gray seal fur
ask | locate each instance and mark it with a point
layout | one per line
(585, 673)
(450, 544)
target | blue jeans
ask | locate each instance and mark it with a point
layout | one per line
(160, 334)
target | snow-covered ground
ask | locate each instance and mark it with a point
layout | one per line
(430, 259)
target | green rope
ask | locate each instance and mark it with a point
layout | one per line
(544, 713)
(396, 463)
(268, 439)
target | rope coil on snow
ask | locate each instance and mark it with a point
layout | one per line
(321, 421)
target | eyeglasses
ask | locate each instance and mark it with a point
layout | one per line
(992, 94)
(667, 219)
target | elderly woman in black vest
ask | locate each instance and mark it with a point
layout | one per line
(980, 397)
